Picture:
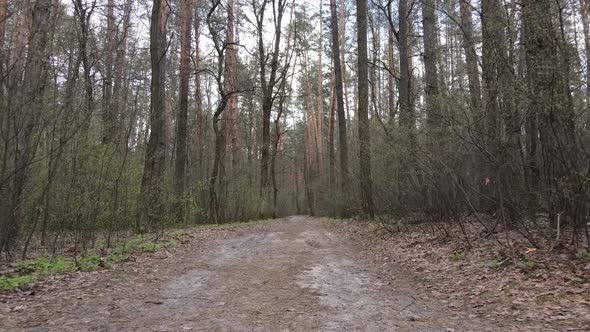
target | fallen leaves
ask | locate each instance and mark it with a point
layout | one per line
(533, 287)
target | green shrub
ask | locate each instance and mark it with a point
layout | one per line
(44, 265)
(116, 256)
(12, 283)
(88, 263)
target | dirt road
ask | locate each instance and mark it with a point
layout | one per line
(290, 275)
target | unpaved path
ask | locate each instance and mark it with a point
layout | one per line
(290, 275)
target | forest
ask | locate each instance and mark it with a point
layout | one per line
(136, 115)
(294, 165)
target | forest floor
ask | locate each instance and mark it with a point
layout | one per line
(295, 274)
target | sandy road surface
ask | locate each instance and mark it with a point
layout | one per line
(290, 275)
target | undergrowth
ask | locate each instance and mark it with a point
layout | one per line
(30, 271)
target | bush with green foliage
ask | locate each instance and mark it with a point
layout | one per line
(8, 283)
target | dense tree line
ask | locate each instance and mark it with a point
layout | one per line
(136, 114)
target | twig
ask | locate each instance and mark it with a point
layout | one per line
(558, 231)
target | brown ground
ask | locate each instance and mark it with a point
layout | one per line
(296, 274)
(550, 294)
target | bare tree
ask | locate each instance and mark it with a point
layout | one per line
(268, 80)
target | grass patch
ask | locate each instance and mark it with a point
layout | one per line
(30, 271)
(496, 263)
(150, 246)
(116, 257)
(457, 255)
(526, 264)
(178, 232)
(100, 244)
(9, 284)
(89, 263)
(170, 243)
(45, 265)
(232, 224)
(334, 220)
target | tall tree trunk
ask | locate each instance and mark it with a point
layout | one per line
(503, 123)
(150, 206)
(199, 118)
(29, 112)
(548, 94)
(363, 111)
(310, 170)
(230, 122)
(3, 86)
(585, 13)
(320, 102)
(108, 113)
(16, 62)
(120, 86)
(431, 77)
(406, 116)
(186, 15)
(344, 207)
(390, 74)
(331, 149)
(267, 86)
(84, 22)
(491, 32)
(433, 101)
(4, 111)
(216, 212)
(341, 32)
(282, 108)
(472, 64)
